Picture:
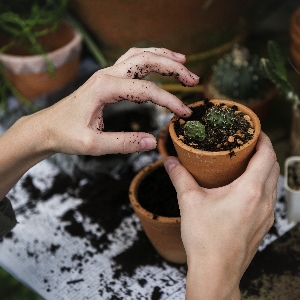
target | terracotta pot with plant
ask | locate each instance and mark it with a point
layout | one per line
(154, 200)
(217, 141)
(237, 76)
(39, 50)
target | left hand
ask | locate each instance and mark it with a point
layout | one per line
(75, 123)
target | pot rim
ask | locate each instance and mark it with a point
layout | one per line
(241, 107)
(133, 189)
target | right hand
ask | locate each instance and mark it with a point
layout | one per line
(222, 228)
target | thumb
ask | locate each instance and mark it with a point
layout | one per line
(125, 142)
(182, 180)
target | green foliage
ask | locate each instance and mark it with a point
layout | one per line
(238, 75)
(25, 21)
(275, 69)
(194, 129)
(220, 116)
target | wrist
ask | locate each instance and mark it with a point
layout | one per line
(211, 279)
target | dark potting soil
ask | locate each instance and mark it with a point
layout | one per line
(217, 139)
(157, 194)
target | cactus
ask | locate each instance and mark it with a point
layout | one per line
(220, 116)
(275, 70)
(195, 130)
(238, 75)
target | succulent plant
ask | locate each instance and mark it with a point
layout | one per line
(238, 75)
(220, 116)
(195, 129)
(275, 70)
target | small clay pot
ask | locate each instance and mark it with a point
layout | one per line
(163, 232)
(216, 169)
(29, 73)
(261, 108)
(295, 38)
(165, 145)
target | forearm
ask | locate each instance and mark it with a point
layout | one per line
(210, 280)
(22, 146)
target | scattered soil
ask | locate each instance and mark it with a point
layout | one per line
(157, 194)
(217, 139)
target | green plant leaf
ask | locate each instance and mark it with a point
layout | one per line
(276, 59)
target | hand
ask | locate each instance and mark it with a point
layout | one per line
(75, 123)
(222, 228)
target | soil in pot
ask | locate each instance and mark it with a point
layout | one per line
(157, 194)
(217, 138)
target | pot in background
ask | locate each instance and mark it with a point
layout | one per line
(292, 196)
(165, 145)
(260, 107)
(295, 38)
(29, 73)
(216, 169)
(163, 232)
(202, 30)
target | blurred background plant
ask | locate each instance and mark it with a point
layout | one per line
(275, 69)
(22, 24)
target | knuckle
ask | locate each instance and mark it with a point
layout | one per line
(100, 78)
(88, 145)
(255, 190)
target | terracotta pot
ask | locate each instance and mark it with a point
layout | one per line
(165, 145)
(295, 38)
(215, 169)
(295, 133)
(261, 108)
(191, 27)
(163, 232)
(29, 73)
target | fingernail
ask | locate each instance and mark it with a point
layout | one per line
(170, 163)
(194, 76)
(188, 110)
(179, 55)
(147, 143)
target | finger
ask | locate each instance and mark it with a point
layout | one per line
(159, 51)
(104, 89)
(262, 162)
(120, 143)
(182, 180)
(141, 65)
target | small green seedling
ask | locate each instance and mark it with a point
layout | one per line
(195, 129)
